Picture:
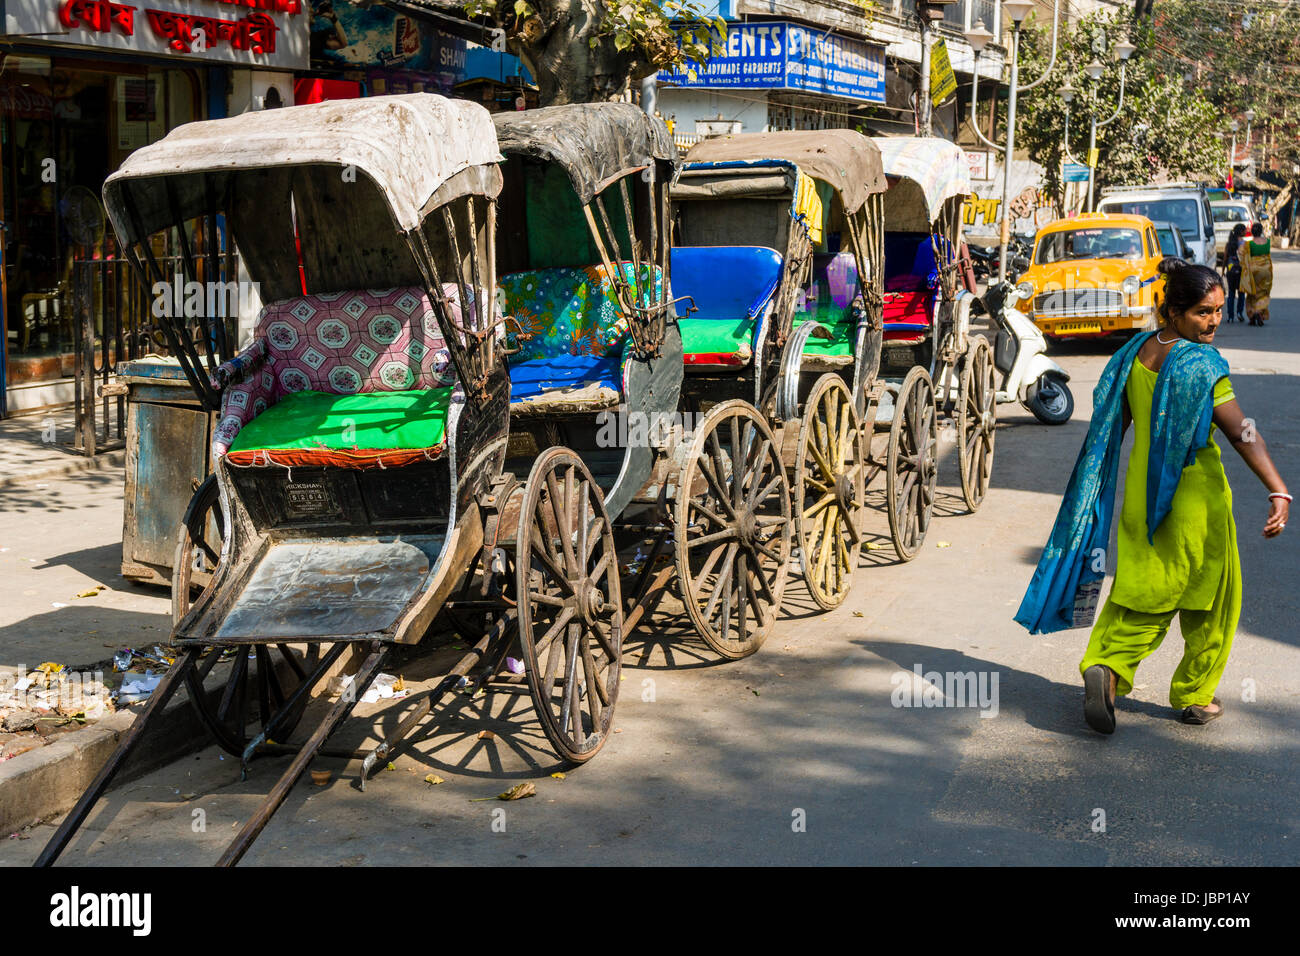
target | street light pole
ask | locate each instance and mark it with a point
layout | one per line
(978, 37)
(1232, 155)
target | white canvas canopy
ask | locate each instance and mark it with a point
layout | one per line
(408, 145)
(924, 174)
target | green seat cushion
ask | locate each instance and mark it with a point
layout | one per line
(414, 419)
(841, 328)
(717, 341)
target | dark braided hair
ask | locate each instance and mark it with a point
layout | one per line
(1185, 285)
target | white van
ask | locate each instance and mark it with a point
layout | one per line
(1186, 205)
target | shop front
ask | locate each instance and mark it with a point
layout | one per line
(83, 83)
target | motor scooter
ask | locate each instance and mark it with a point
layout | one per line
(1019, 355)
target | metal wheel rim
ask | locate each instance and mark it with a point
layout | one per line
(829, 460)
(911, 472)
(193, 546)
(566, 551)
(748, 543)
(976, 430)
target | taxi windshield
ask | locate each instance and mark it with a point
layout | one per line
(1094, 243)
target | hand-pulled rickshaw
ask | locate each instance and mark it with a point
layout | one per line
(930, 361)
(778, 248)
(358, 460)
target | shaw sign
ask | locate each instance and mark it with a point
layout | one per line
(272, 33)
(788, 56)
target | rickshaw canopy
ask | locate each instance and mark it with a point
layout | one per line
(408, 145)
(924, 174)
(844, 159)
(595, 143)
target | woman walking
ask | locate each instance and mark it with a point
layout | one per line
(1256, 274)
(1236, 307)
(1177, 539)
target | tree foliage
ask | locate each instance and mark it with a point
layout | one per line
(1162, 127)
(588, 50)
(1243, 57)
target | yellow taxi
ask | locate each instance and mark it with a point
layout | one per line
(1093, 275)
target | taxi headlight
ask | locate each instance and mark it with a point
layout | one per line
(1131, 285)
(1026, 290)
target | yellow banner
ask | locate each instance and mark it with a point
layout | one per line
(1093, 154)
(943, 82)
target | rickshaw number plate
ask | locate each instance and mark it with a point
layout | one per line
(306, 498)
(1066, 328)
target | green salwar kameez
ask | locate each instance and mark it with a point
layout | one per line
(1191, 568)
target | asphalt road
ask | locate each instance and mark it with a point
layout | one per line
(799, 754)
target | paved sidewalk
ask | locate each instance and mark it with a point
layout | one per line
(42, 445)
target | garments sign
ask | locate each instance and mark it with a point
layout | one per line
(787, 56)
(943, 82)
(268, 33)
(1074, 173)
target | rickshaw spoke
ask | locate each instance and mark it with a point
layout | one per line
(723, 580)
(725, 535)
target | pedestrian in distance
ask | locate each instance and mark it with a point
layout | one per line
(1177, 540)
(1235, 311)
(1256, 274)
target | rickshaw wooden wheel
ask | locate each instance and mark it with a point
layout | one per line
(830, 491)
(977, 417)
(733, 530)
(570, 604)
(198, 549)
(256, 686)
(911, 472)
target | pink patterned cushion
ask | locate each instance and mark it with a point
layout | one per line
(372, 340)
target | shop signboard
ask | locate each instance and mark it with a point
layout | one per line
(399, 52)
(1074, 173)
(788, 56)
(267, 33)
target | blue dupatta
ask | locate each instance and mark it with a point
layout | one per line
(1067, 583)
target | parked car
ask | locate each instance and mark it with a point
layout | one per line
(1094, 275)
(1226, 215)
(1171, 241)
(1186, 206)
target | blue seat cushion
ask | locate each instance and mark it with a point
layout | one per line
(728, 283)
(536, 377)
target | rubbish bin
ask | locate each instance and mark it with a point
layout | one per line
(168, 437)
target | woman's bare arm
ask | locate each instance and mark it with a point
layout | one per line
(1250, 445)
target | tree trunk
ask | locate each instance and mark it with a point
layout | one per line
(556, 48)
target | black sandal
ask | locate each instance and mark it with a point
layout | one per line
(1099, 698)
(1198, 715)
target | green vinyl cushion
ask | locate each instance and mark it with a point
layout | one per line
(368, 420)
(840, 325)
(717, 341)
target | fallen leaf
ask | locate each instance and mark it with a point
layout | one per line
(943, 544)
(558, 775)
(432, 778)
(486, 735)
(390, 767)
(873, 546)
(519, 791)
(92, 592)
(399, 684)
(858, 614)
